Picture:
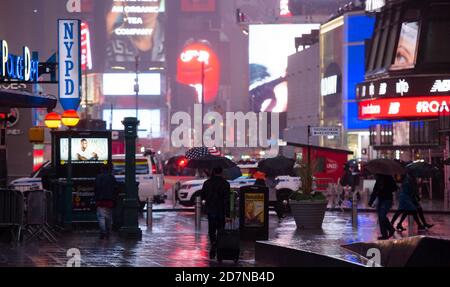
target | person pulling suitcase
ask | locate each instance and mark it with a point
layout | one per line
(216, 195)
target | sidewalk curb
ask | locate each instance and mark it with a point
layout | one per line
(367, 210)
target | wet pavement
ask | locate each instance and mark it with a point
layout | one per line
(174, 242)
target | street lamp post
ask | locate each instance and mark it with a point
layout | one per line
(130, 228)
(70, 119)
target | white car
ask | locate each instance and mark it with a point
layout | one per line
(33, 182)
(189, 190)
(149, 175)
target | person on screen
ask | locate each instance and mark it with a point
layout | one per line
(86, 153)
(148, 40)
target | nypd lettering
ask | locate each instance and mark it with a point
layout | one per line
(69, 68)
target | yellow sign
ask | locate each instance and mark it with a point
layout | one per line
(36, 135)
(254, 210)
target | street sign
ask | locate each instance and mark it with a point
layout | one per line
(325, 131)
(69, 63)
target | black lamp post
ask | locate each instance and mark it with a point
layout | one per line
(130, 228)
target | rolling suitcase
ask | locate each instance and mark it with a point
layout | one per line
(228, 245)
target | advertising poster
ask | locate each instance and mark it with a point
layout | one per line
(407, 45)
(254, 210)
(85, 150)
(135, 28)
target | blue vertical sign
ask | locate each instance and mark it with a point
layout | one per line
(69, 63)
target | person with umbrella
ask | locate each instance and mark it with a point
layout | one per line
(385, 186)
(407, 203)
(216, 194)
(274, 167)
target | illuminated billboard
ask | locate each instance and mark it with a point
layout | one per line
(404, 108)
(269, 48)
(122, 84)
(149, 121)
(134, 28)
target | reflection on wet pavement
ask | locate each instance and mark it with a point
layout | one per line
(174, 242)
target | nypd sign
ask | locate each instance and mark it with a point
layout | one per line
(69, 67)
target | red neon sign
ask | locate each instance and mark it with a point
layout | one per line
(398, 108)
(189, 70)
(86, 54)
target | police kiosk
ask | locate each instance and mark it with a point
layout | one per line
(90, 152)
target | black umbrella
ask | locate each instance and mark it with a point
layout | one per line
(276, 166)
(197, 152)
(421, 169)
(232, 173)
(385, 166)
(211, 161)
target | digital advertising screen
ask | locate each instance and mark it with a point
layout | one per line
(405, 56)
(90, 151)
(269, 48)
(85, 150)
(134, 28)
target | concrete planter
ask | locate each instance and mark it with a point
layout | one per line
(308, 214)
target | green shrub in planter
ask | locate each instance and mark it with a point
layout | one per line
(314, 196)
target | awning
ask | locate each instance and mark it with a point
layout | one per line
(22, 99)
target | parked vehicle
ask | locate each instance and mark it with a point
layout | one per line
(33, 182)
(149, 175)
(189, 190)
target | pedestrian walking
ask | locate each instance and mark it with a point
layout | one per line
(105, 200)
(274, 197)
(419, 206)
(385, 186)
(216, 195)
(346, 182)
(409, 205)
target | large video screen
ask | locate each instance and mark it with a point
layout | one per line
(134, 28)
(85, 150)
(269, 48)
(122, 84)
(149, 121)
(405, 56)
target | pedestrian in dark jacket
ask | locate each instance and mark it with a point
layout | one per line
(385, 186)
(105, 199)
(48, 175)
(408, 204)
(216, 194)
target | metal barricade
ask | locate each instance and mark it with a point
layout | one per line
(37, 215)
(12, 211)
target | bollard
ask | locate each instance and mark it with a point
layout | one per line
(410, 225)
(174, 194)
(149, 213)
(354, 210)
(198, 212)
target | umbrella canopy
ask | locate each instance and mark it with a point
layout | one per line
(276, 166)
(197, 152)
(384, 166)
(232, 173)
(211, 161)
(421, 169)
